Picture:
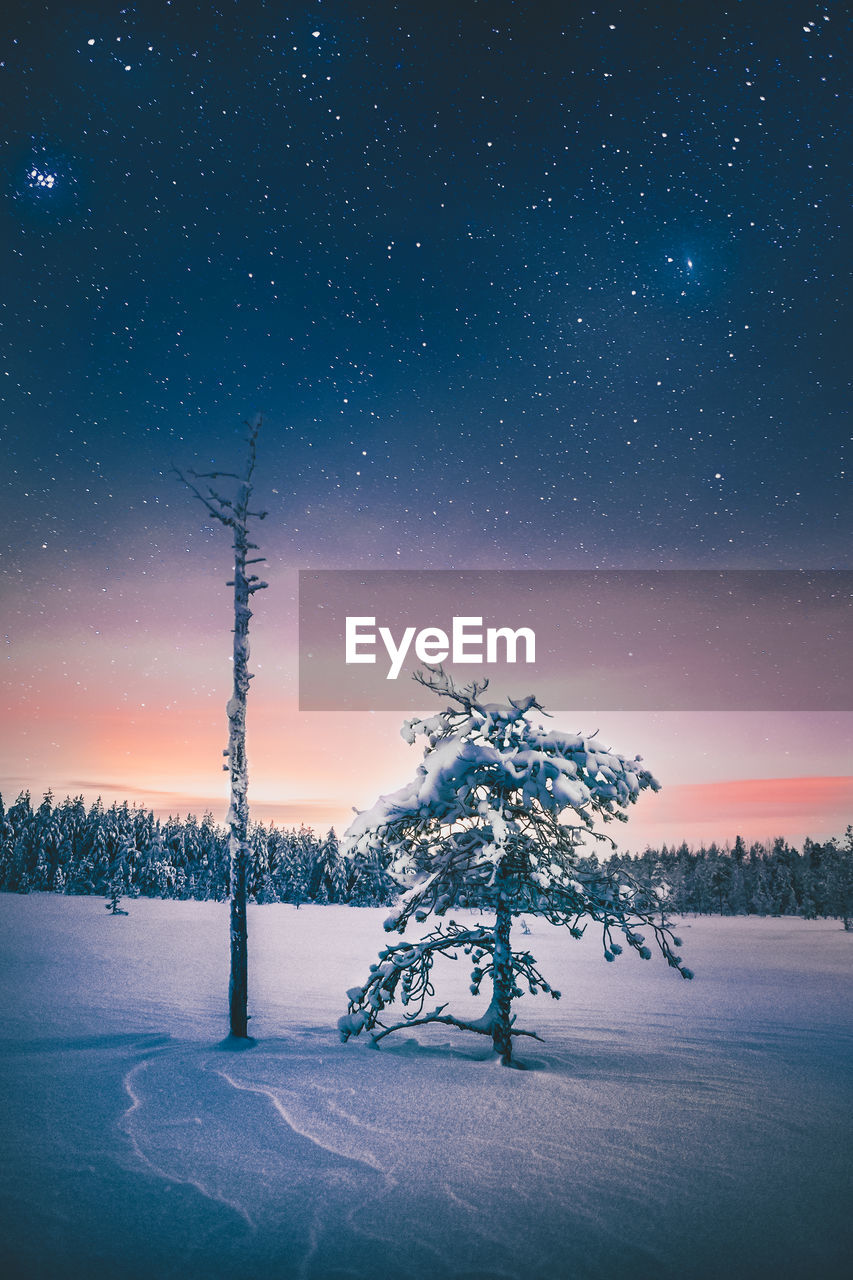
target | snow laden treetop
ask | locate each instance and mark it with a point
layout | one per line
(493, 820)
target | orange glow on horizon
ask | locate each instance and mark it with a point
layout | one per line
(131, 729)
(755, 808)
(758, 809)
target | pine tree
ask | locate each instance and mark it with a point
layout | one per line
(494, 819)
(119, 875)
(840, 879)
(294, 861)
(116, 891)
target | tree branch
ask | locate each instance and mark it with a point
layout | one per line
(207, 503)
(449, 1020)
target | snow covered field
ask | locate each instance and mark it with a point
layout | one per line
(663, 1128)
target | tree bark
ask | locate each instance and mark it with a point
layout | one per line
(238, 815)
(235, 515)
(502, 981)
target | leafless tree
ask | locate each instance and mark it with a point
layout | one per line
(235, 513)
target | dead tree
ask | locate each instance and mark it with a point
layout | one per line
(235, 514)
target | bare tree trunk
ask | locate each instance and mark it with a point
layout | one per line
(238, 814)
(503, 981)
(235, 515)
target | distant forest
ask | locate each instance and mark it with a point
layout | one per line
(125, 851)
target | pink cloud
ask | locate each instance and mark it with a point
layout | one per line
(756, 808)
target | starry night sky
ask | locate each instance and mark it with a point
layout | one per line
(514, 285)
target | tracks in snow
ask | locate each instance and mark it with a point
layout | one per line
(267, 1092)
(126, 1127)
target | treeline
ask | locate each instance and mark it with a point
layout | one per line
(765, 881)
(125, 851)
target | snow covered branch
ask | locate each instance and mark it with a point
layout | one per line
(408, 966)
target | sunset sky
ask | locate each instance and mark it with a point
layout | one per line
(515, 286)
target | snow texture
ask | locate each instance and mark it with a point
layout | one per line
(675, 1129)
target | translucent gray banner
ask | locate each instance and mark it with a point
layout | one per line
(626, 640)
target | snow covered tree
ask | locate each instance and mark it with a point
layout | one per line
(493, 820)
(116, 890)
(328, 874)
(235, 513)
(840, 879)
(119, 873)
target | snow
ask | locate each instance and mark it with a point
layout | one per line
(442, 817)
(489, 816)
(681, 1129)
